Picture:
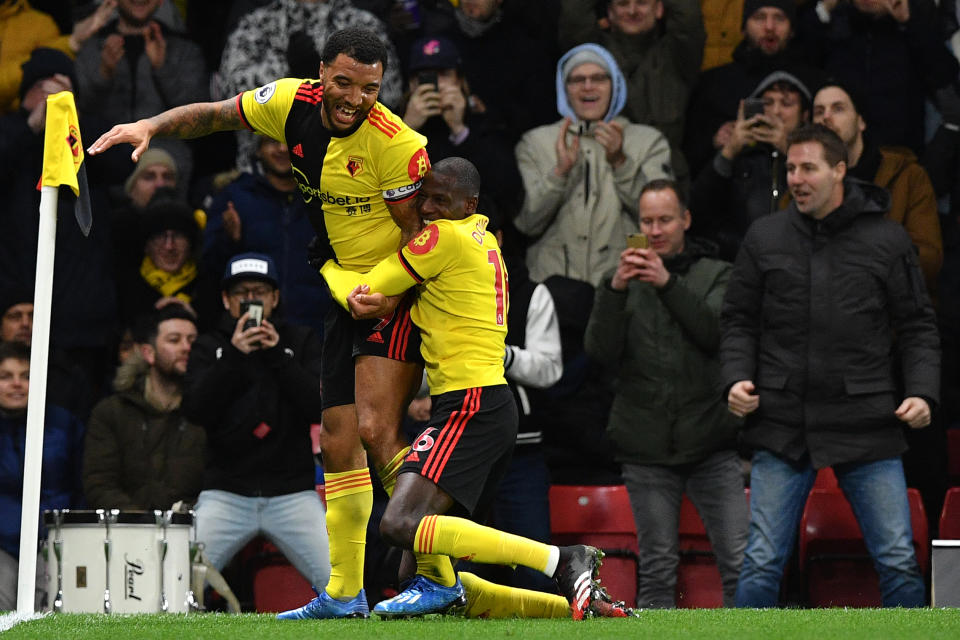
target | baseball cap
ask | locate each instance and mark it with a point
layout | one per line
(250, 266)
(435, 52)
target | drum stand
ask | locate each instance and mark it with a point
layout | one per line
(58, 552)
(107, 517)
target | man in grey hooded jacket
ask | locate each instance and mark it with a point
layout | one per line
(582, 176)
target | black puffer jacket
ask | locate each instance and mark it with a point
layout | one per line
(257, 410)
(832, 322)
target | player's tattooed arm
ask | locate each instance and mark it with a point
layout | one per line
(406, 216)
(198, 119)
(188, 121)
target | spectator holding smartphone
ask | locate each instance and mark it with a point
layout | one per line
(747, 179)
(671, 430)
(255, 388)
(441, 106)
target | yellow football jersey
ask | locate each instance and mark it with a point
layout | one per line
(463, 299)
(352, 176)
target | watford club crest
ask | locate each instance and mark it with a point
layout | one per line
(73, 140)
(424, 242)
(354, 166)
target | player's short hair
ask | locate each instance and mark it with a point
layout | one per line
(834, 151)
(665, 184)
(15, 351)
(146, 328)
(466, 178)
(362, 45)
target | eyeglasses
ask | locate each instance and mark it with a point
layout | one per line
(261, 291)
(596, 78)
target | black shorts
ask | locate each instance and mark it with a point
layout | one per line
(344, 338)
(466, 446)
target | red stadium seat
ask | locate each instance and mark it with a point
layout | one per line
(826, 479)
(277, 585)
(698, 579)
(838, 570)
(599, 516)
(950, 516)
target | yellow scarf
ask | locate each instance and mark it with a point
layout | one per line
(169, 284)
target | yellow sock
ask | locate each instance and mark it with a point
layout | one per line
(435, 567)
(467, 540)
(349, 502)
(388, 474)
(489, 600)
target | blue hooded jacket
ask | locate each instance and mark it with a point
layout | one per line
(618, 96)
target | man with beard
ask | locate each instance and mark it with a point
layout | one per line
(359, 166)
(261, 211)
(140, 452)
(767, 46)
(913, 202)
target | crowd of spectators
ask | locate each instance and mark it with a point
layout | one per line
(697, 97)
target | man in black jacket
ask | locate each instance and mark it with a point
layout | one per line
(821, 296)
(768, 45)
(255, 388)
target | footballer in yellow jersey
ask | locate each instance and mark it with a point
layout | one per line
(461, 307)
(362, 166)
(456, 463)
(352, 175)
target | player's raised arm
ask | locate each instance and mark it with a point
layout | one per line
(189, 121)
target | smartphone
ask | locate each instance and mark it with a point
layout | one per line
(637, 241)
(255, 307)
(428, 77)
(752, 107)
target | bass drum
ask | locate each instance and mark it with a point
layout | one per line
(114, 561)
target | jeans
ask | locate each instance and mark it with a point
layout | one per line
(715, 486)
(295, 522)
(877, 492)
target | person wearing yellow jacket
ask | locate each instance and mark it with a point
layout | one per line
(23, 29)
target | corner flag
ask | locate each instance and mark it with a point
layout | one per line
(63, 155)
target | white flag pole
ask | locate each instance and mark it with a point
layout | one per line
(37, 400)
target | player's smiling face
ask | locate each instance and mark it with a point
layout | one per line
(440, 199)
(350, 89)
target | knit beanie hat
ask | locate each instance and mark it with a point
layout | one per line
(149, 158)
(789, 7)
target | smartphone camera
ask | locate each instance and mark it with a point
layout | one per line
(752, 107)
(428, 77)
(255, 307)
(638, 241)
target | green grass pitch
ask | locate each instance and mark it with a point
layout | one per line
(786, 624)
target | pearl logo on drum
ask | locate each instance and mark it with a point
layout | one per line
(132, 570)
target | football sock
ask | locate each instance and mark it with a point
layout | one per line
(462, 538)
(388, 474)
(349, 502)
(490, 600)
(435, 567)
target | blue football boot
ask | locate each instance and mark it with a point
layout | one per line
(324, 607)
(422, 597)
